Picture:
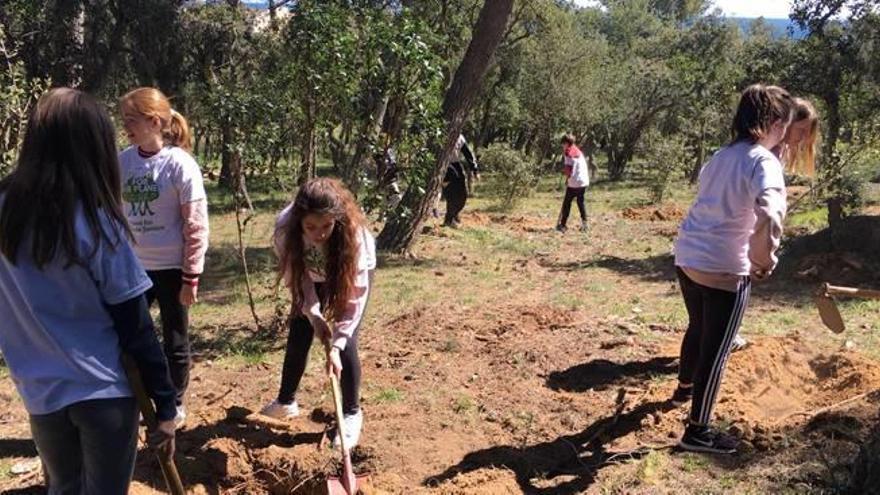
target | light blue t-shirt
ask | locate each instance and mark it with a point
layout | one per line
(56, 334)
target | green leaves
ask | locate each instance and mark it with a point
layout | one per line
(18, 94)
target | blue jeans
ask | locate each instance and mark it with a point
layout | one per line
(89, 447)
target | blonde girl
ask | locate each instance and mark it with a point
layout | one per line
(167, 209)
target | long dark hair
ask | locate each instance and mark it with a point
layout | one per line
(67, 161)
(324, 196)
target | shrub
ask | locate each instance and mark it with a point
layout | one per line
(517, 176)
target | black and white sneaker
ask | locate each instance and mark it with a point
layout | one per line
(682, 395)
(738, 344)
(706, 439)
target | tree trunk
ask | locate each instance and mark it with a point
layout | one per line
(701, 154)
(65, 39)
(400, 230)
(615, 167)
(369, 133)
(830, 159)
(231, 174)
(307, 147)
(482, 137)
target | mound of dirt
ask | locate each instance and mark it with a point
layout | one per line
(662, 213)
(775, 384)
(482, 482)
(780, 381)
(474, 218)
(855, 234)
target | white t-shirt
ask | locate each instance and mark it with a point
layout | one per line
(580, 173)
(316, 256)
(153, 190)
(316, 263)
(714, 236)
(458, 155)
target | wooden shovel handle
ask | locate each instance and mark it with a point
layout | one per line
(834, 290)
(169, 469)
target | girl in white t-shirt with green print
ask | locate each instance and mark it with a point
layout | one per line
(167, 208)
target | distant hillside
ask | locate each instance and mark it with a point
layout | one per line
(779, 27)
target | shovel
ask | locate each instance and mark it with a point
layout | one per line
(828, 310)
(348, 483)
(169, 470)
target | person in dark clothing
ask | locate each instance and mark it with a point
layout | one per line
(455, 182)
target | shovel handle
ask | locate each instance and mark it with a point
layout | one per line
(348, 478)
(169, 470)
(834, 290)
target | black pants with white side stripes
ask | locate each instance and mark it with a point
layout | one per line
(714, 319)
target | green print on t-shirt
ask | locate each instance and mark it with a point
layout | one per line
(140, 191)
(316, 260)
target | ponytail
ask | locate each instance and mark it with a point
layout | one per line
(153, 103)
(800, 156)
(177, 132)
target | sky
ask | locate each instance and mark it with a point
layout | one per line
(770, 9)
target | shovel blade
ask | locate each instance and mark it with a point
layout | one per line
(336, 486)
(829, 313)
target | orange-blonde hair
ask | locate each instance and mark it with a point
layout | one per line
(759, 107)
(800, 157)
(151, 102)
(323, 196)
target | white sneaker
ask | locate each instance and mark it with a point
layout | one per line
(352, 424)
(180, 417)
(739, 343)
(278, 410)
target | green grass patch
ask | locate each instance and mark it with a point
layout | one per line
(388, 396)
(653, 467)
(464, 404)
(812, 219)
(692, 463)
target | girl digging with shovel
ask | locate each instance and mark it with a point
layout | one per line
(797, 152)
(729, 237)
(326, 258)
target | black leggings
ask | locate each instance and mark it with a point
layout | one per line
(573, 193)
(714, 319)
(299, 341)
(455, 192)
(175, 325)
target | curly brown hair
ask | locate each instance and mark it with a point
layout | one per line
(323, 196)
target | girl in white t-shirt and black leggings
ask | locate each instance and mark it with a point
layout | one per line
(326, 258)
(167, 208)
(728, 239)
(577, 178)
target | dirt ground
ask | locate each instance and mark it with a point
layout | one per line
(505, 358)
